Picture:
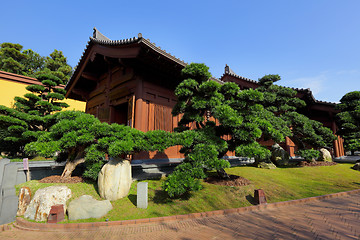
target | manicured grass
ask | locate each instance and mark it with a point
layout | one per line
(37, 158)
(279, 184)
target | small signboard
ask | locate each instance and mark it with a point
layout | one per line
(26, 163)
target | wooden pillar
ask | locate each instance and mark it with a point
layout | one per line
(336, 142)
(139, 104)
(290, 147)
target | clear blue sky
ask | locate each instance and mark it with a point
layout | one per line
(309, 43)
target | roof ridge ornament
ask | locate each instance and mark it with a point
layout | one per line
(228, 70)
(99, 36)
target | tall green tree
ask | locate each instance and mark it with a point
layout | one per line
(12, 58)
(223, 119)
(349, 120)
(29, 63)
(282, 101)
(33, 64)
(57, 64)
(32, 113)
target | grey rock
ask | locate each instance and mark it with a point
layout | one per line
(278, 155)
(87, 207)
(266, 165)
(325, 155)
(356, 166)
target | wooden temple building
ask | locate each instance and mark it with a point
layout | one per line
(132, 82)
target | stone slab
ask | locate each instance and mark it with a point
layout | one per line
(3, 162)
(9, 177)
(142, 195)
(9, 208)
(21, 176)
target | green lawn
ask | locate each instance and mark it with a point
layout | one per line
(279, 184)
(33, 159)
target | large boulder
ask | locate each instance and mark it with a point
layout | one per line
(115, 179)
(24, 200)
(325, 155)
(87, 207)
(279, 156)
(44, 198)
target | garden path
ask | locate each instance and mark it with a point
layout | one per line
(334, 218)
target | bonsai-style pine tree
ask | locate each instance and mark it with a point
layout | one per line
(31, 114)
(78, 137)
(349, 120)
(222, 119)
(282, 101)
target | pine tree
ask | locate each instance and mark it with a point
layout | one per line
(223, 119)
(12, 58)
(56, 63)
(77, 138)
(282, 101)
(31, 114)
(349, 120)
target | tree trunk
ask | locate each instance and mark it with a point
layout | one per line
(70, 167)
(71, 164)
(223, 174)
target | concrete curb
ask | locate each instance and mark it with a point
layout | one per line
(33, 226)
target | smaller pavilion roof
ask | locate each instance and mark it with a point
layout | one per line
(305, 91)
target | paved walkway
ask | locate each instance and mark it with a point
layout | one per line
(335, 218)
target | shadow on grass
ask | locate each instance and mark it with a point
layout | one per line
(133, 199)
(161, 197)
(356, 183)
(250, 199)
(290, 165)
(92, 182)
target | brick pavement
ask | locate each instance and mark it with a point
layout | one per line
(334, 218)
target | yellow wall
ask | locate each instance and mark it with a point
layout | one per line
(9, 90)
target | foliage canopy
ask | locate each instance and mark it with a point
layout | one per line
(349, 120)
(77, 137)
(282, 101)
(217, 118)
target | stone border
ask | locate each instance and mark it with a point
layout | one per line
(34, 226)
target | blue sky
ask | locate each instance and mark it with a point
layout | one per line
(310, 43)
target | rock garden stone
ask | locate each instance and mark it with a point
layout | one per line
(43, 199)
(356, 166)
(87, 207)
(278, 155)
(115, 179)
(266, 165)
(24, 200)
(325, 155)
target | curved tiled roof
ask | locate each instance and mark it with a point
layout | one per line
(99, 38)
